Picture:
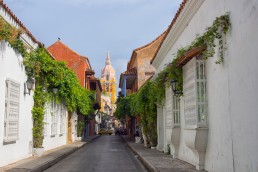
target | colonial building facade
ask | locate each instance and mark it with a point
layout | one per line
(213, 124)
(139, 70)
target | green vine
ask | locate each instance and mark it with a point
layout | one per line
(143, 103)
(48, 74)
(217, 31)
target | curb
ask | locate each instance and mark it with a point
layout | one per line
(56, 160)
(59, 158)
(145, 162)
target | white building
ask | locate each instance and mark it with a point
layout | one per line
(222, 137)
(15, 107)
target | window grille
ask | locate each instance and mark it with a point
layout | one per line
(12, 108)
(54, 118)
(201, 93)
(194, 85)
(176, 110)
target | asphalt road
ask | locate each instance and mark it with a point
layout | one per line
(105, 154)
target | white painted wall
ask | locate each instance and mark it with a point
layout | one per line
(74, 125)
(232, 87)
(11, 67)
(168, 118)
(50, 140)
(160, 129)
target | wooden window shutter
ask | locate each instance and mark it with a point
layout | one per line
(189, 87)
(12, 109)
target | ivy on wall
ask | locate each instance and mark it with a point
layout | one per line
(48, 74)
(217, 31)
(152, 93)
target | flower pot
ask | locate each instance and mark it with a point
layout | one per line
(37, 151)
(138, 140)
(79, 139)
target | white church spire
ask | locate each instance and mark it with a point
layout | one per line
(108, 59)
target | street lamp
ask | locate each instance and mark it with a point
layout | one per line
(29, 85)
(55, 90)
(174, 86)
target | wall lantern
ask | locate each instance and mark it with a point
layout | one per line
(55, 90)
(29, 85)
(174, 86)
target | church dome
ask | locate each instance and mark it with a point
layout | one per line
(108, 72)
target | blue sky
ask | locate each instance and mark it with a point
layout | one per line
(94, 27)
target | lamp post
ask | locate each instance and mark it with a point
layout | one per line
(29, 85)
(55, 90)
(174, 86)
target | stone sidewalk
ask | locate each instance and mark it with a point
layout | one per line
(155, 160)
(49, 158)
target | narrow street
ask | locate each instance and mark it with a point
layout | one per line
(107, 153)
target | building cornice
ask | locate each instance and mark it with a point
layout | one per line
(191, 7)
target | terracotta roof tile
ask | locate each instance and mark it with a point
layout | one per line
(79, 64)
(132, 71)
(151, 41)
(133, 56)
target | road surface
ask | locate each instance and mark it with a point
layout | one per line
(107, 153)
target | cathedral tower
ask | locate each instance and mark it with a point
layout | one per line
(108, 80)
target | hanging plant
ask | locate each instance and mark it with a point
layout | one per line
(206, 42)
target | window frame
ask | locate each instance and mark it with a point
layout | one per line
(192, 89)
(54, 119)
(176, 111)
(12, 96)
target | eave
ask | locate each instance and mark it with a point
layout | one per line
(130, 76)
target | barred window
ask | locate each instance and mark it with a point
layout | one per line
(195, 96)
(176, 110)
(54, 118)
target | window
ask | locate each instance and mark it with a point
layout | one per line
(194, 85)
(12, 108)
(176, 110)
(201, 92)
(54, 119)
